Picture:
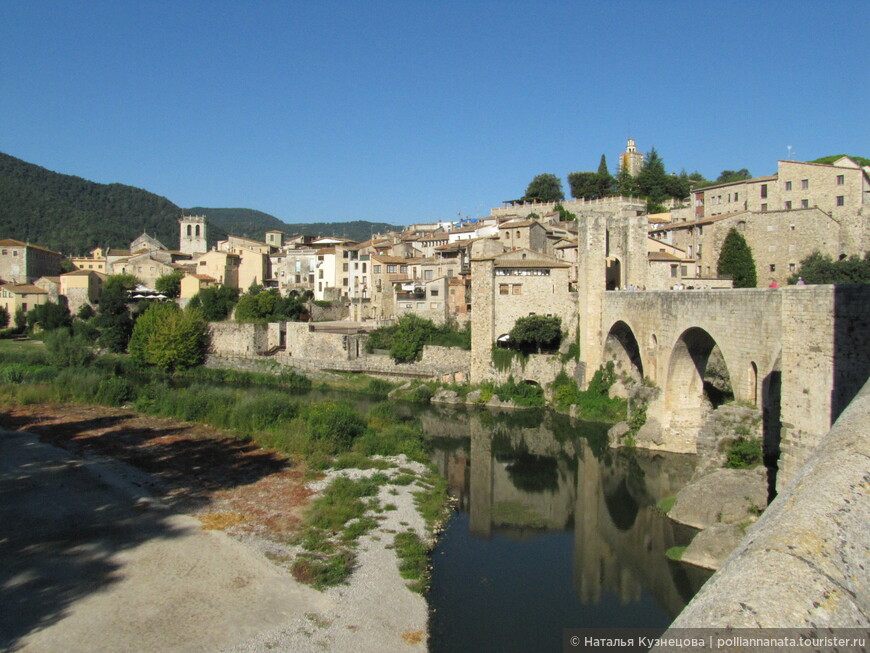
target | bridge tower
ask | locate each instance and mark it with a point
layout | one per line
(192, 238)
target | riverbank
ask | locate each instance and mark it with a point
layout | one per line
(258, 499)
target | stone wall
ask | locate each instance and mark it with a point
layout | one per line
(338, 310)
(804, 563)
(238, 339)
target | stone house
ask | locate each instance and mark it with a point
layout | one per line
(146, 242)
(427, 299)
(524, 234)
(221, 266)
(51, 285)
(23, 263)
(192, 283)
(384, 271)
(147, 267)
(96, 261)
(21, 295)
(81, 287)
(459, 300)
(779, 240)
(254, 263)
(294, 269)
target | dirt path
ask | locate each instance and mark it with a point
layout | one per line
(97, 556)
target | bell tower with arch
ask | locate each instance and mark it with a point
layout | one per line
(192, 238)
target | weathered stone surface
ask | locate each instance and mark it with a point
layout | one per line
(725, 424)
(724, 496)
(616, 433)
(444, 396)
(805, 562)
(618, 390)
(473, 397)
(710, 547)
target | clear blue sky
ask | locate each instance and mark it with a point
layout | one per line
(407, 111)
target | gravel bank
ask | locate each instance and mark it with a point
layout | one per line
(374, 611)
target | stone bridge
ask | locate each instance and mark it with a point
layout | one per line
(800, 353)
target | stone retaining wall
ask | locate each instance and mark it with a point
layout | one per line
(805, 562)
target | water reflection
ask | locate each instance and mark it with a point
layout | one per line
(533, 484)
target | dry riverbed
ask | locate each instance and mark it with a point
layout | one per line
(258, 499)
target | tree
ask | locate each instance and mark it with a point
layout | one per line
(736, 262)
(65, 349)
(652, 180)
(50, 316)
(727, 176)
(170, 338)
(820, 268)
(584, 185)
(217, 303)
(4, 317)
(626, 185)
(126, 282)
(113, 317)
(258, 305)
(169, 284)
(536, 333)
(605, 179)
(545, 188)
(20, 319)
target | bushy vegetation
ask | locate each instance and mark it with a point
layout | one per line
(406, 338)
(594, 403)
(261, 305)
(536, 334)
(169, 284)
(821, 268)
(216, 304)
(169, 338)
(744, 453)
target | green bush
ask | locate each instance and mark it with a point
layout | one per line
(115, 391)
(263, 411)
(392, 440)
(335, 425)
(169, 338)
(744, 453)
(63, 349)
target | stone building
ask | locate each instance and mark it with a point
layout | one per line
(221, 266)
(192, 283)
(427, 299)
(524, 234)
(23, 263)
(631, 160)
(148, 243)
(81, 287)
(21, 295)
(193, 237)
(511, 285)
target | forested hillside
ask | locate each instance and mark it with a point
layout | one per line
(73, 215)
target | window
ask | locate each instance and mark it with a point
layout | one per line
(841, 200)
(674, 271)
(503, 289)
(427, 275)
(517, 289)
(433, 304)
(805, 204)
(736, 196)
(403, 269)
(344, 267)
(376, 268)
(202, 262)
(364, 267)
(433, 292)
(763, 191)
(14, 252)
(788, 206)
(684, 270)
(773, 267)
(518, 234)
(699, 251)
(344, 281)
(391, 269)
(764, 208)
(805, 183)
(320, 274)
(792, 267)
(788, 185)
(841, 179)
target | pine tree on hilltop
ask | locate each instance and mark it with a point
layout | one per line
(736, 262)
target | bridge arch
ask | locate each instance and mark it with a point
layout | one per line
(685, 386)
(622, 348)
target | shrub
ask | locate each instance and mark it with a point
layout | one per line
(263, 411)
(335, 425)
(115, 391)
(744, 453)
(393, 440)
(169, 338)
(536, 333)
(63, 349)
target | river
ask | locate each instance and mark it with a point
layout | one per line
(552, 530)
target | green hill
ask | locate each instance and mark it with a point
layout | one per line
(860, 160)
(73, 215)
(255, 224)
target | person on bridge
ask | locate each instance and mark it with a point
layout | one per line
(774, 284)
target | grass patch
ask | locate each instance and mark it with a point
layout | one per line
(676, 553)
(413, 554)
(431, 501)
(744, 453)
(664, 505)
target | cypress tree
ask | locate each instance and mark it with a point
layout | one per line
(605, 179)
(736, 262)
